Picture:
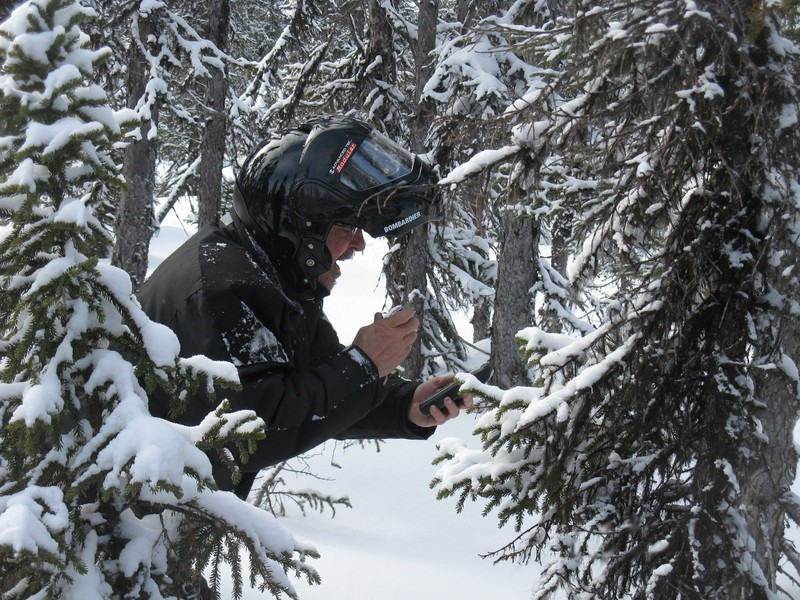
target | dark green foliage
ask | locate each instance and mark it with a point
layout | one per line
(640, 458)
(91, 500)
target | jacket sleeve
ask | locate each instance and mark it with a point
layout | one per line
(390, 419)
(301, 406)
(294, 372)
(305, 407)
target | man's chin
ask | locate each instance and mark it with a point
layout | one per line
(328, 279)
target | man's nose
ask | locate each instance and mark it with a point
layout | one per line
(357, 242)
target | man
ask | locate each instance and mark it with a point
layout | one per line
(250, 292)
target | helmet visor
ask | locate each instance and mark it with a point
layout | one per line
(375, 162)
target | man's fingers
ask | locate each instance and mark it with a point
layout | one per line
(403, 323)
(402, 316)
(442, 416)
(388, 340)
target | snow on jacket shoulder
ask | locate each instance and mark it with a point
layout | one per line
(223, 303)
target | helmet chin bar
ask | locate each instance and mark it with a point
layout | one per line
(313, 257)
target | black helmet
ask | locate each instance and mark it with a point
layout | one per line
(301, 181)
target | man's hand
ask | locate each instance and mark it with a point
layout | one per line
(424, 391)
(388, 340)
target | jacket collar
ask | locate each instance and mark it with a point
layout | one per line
(299, 289)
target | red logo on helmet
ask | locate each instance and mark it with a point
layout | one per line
(344, 156)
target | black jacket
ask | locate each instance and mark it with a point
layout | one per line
(224, 299)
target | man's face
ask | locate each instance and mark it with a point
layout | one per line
(342, 242)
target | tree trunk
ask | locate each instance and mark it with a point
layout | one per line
(135, 219)
(426, 42)
(481, 319)
(768, 476)
(381, 55)
(477, 195)
(212, 145)
(512, 305)
(464, 12)
(408, 275)
(410, 269)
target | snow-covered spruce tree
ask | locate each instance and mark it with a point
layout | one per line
(303, 61)
(135, 222)
(171, 59)
(409, 279)
(97, 498)
(175, 70)
(478, 74)
(357, 58)
(654, 457)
